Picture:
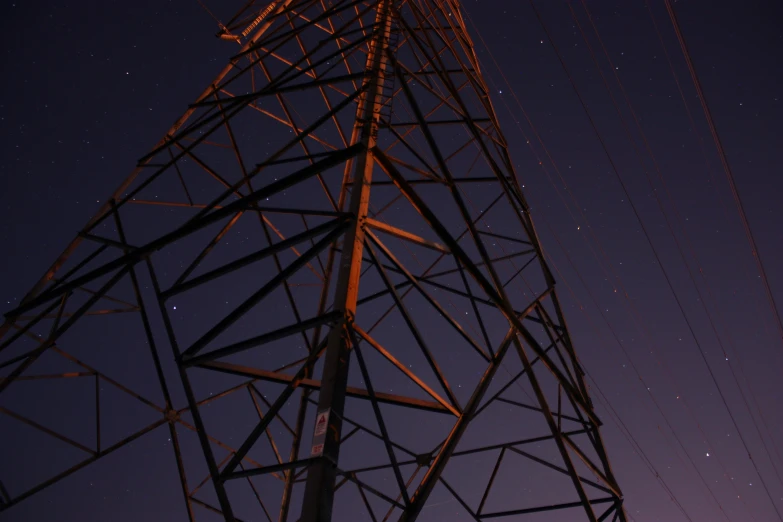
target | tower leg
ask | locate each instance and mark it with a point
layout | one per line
(321, 477)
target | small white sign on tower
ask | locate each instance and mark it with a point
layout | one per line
(319, 434)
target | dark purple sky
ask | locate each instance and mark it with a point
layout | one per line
(88, 89)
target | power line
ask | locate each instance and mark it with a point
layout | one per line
(726, 211)
(726, 167)
(632, 440)
(668, 223)
(638, 217)
(655, 253)
(654, 472)
(578, 207)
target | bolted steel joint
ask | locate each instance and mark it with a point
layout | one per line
(171, 415)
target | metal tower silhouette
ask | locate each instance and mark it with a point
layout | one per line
(330, 266)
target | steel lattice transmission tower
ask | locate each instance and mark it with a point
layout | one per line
(330, 266)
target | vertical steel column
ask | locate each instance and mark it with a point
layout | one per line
(321, 477)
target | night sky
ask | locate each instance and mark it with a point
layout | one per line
(90, 87)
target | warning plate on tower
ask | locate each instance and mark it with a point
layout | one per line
(319, 434)
(321, 422)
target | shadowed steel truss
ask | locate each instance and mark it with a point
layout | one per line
(331, 268)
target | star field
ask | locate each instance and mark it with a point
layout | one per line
(660, 289)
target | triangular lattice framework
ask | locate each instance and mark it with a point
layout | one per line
(338, 219)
